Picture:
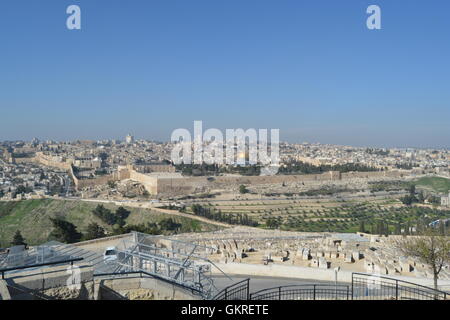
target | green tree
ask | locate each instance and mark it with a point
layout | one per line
(430, 248)
(64, 231)
(362, 226)
(104, 214)
(398, 228)
(22, 190)
(408, 228)
(169, 224)
(243, 189)
(121, 215)
(18, 239)
(412, 190)
(272, 223)
(442, 228)
(111, 184)
(408, 200)
(420, 197)
(94, 231)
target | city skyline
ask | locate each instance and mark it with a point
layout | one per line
(143, 139)
(311, 69)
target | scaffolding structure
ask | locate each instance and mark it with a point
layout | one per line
(183, 263)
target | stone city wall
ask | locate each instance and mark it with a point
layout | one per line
(150, 183)
(199, 184)
(374, 174)
(120, 174)
(161, 185)
(182, 185)
(50, 162)
(24, 160)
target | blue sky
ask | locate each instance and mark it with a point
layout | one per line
(310, 68)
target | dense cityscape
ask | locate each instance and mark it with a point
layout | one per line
(39, 168)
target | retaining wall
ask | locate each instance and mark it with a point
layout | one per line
(142, 288)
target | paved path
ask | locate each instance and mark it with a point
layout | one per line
(259, 283)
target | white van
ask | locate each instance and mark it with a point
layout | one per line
(110, 254)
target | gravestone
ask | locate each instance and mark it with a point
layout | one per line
(323, 263)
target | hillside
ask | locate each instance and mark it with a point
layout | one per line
(438, 184)
(32, 218)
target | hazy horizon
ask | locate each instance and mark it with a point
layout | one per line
(309, 68)
(150, 139)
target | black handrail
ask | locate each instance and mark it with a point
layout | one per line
(397, 282)
(71, 261)
(331, 288)
(117, 274)
(224, 292)
(402, 281)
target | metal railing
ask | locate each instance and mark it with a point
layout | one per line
(375, 287)
(304, 292)
(37, 265)
(35, 294)
(33, 255)
(363, 287)
(178, 262)
(237, 291)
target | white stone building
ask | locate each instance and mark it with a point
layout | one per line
(445, 200)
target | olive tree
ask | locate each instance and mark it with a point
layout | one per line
(430, 247)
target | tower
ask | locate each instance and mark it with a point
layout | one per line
(129, 139)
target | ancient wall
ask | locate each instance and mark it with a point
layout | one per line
(147, 168)
(183, 185)
(374, 174)
(50, 162)
(24, 160)
(120, 174)
(199, 184)
(177, 186)
(149, 182)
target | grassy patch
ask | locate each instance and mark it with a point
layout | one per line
(438, 184)
(32, 218)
